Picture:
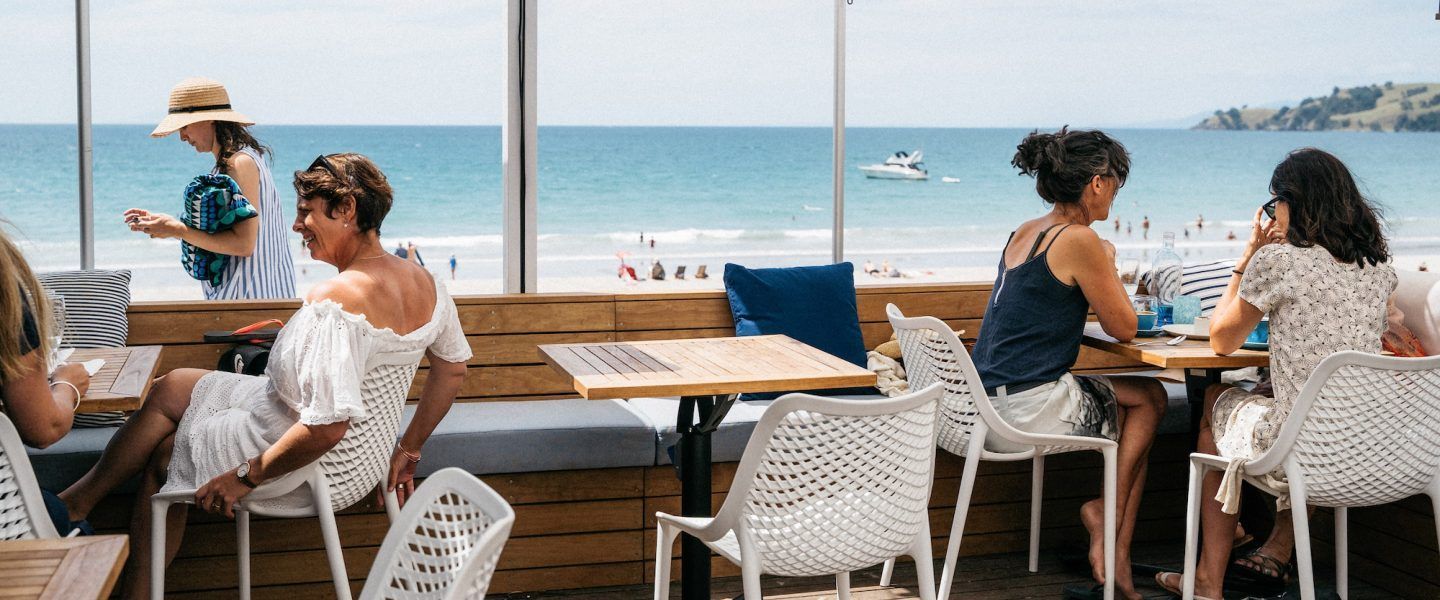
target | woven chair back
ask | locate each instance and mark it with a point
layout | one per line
(1369, 429)
(932, 352)
(830, 485)
(22, 511)
(445, 543)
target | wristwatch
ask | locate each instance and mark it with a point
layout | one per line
(243, 473)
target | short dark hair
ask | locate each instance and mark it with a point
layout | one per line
(1064, 162)
(1327, 208)
(350, 178)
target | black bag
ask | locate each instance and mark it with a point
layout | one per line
(245, 359)
(252, 353)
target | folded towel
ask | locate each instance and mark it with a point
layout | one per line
(213, 203)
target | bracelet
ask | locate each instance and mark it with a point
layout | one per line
(1237, 271)
(72, 386)
(414, 457)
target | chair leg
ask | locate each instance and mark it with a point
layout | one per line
(924, 564)
(1302, 533)
(333, 553)
(664, 548)
(1110, 468)
(750, 577)
(842, 586)
(159, 511)
(242, 540)
(1037, 490)
(1192, 529)
(1342, 552)
(962, 509)
(886, 571)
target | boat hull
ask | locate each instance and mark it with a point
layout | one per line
(892, 172)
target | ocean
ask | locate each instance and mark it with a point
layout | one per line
(706, 195)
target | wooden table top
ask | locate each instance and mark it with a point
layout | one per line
(1189, 354)
(65, 568)
(698, 367)
(122, 383)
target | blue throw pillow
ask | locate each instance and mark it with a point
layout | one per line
(813, 305)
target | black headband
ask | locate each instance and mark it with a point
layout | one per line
(191, 109)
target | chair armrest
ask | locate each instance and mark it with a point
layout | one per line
(1219, 463)
(703, 528)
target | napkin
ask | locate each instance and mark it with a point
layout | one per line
(93, 365)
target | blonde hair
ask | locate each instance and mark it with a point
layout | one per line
(19, 288)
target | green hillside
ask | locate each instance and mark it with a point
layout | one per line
(1388, 107)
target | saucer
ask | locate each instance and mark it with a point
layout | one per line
(1187, 330)
(1256, 345)
(1149, 332)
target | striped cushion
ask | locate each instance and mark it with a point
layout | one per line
(1206, 281)
(95, 305)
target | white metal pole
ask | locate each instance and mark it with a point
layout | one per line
(518, 150)
(85, 145)
(837, 251)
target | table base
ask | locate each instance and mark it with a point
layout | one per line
(693, 468)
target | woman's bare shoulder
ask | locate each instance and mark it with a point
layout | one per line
(346, 289)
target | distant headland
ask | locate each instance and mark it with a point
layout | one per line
(1388, 107)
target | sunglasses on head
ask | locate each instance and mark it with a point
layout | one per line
(1269, 207)
(324, 163)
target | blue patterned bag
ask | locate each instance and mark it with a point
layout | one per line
(213, 203)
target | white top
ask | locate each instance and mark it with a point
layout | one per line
(319, 362)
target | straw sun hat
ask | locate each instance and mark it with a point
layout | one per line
(194, 100)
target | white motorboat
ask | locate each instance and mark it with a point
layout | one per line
(949, 180)
(901, 165)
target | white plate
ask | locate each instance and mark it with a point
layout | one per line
(1188, 331)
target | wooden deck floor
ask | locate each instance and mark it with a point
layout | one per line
(981, 578)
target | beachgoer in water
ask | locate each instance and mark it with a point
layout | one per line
(453, 264)
(1187, 233)
(259, 264)
(652, 241)
(1059, 265)
(1129, 229)
(1230, 236)
(1199, 222)
(1424, 267)
(1117, 224)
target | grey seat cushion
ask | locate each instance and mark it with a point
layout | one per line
(728, 441)
(540, 435)
(65, 461)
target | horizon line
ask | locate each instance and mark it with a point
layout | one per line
(702, 126)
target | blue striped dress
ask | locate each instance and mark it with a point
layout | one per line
(269, 272)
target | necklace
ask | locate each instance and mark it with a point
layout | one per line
(380, 255)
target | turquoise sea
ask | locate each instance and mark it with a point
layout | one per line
(753, 195)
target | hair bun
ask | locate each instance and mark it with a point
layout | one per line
(1040, 152)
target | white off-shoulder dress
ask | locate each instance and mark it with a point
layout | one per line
(315, 374)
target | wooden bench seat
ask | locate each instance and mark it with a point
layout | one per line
(594, 526)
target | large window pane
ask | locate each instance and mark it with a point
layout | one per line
(416, 89)
(704, 127)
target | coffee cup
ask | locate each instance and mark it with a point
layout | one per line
(1145, 320)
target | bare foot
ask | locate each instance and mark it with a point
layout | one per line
(1092, 515)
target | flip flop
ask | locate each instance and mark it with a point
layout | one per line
(1172, 585)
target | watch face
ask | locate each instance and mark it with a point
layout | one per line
(243, 470)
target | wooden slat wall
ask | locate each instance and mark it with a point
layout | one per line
(594, 528)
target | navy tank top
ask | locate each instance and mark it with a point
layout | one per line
(1033, 324)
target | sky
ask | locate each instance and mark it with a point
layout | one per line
(933, 63)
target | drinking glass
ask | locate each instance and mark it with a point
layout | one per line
(1129, 270)
(1143, 303)
(57, 326)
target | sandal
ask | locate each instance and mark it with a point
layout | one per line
(1170, 582)
(1258, 574)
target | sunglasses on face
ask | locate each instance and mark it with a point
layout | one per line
(1269, 207)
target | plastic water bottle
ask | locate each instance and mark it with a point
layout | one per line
(1165, 278)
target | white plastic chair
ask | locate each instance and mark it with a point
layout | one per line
(445, 544)
(933, 353)
(22, 510)
(1365, 430)
(825, 486)
(340, 478)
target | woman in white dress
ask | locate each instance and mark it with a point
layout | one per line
(225, 433)
(1318, 265)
